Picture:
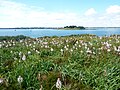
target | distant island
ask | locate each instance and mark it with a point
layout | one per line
(73, 27)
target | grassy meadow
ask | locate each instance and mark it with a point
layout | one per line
(81, 62)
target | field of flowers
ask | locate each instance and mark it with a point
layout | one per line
(77, 62)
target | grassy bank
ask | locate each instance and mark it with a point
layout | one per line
(82, 62)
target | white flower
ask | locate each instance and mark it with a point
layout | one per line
(108, 50)
(71, 50)
(21, 41)
(67, 45)
(51, 49)
(81, 51)
(0, 45)
(76, 42)
(37, 51)
(93, 52)
(61, 50)
(6, 45)
(20, 53)
(30, 44)
(46, 46)
(29, 52)
(66, 49)
(1, 80)
(89, 51)
(15, 58)
(79, 46)
(11, 51)
(58, 83)
(100, 37)
(24, 57)
(20, 79)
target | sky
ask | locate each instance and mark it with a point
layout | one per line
(59, 13)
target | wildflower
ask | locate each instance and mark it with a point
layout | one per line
(30, 44)
(61, 50)
(1, 80)
(20, 79)
(46, 46)
(37, 51)
(34, 42)
(29, 52)
(66, 49)
(33, 46)
(20, 53)
(24, 57)
(89, 51)
(85, 47)
(93, 52)
(108, 50)
(13, 44)
(10, 44)
(67, 45)
(11, 51)
(100, 37)
(71, 50)
(58, 83)
(51, 49)
(34, 49)
(81, 51)
(39, 77)
(6, 45)
(21, 41)
(79, 46)
(76, 42)
(15, 58)
(0, 45)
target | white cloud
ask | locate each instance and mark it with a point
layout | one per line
(13, 14)
(20, 15)
(90, 11)
(113, 9)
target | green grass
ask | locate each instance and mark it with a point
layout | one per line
(87, 62)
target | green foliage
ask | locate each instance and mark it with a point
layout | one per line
(82, 62)
(7, 38)
(74, 27)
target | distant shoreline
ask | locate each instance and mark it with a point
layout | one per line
(59, 28)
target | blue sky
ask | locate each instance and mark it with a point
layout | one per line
(58, 13)
(78, 6)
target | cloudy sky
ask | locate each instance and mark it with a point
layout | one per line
(59, 13)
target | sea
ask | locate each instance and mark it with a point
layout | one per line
(34, 33)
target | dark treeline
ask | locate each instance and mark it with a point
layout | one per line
(73, 26)
(17, 38)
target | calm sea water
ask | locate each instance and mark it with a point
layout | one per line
(54, 32)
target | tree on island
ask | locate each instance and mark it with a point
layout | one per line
(74, 27)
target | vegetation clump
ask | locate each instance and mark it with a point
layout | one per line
(74, 27)
(76, 62)
(7, 38)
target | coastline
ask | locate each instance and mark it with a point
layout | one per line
(61, 28)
